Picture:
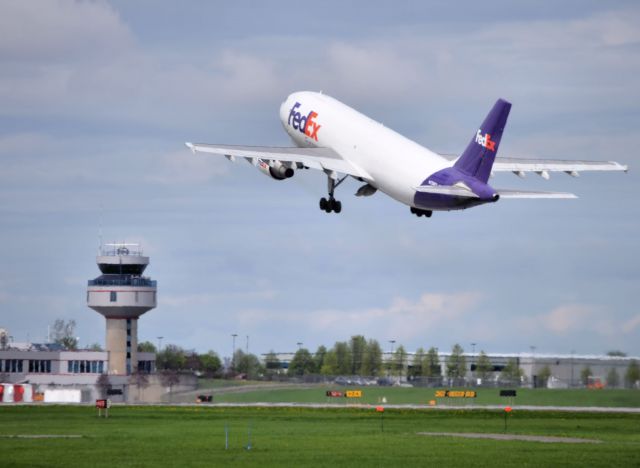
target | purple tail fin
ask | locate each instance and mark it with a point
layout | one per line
(477, 160)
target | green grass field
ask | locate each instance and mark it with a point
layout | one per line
(399, 395)
(195, 436)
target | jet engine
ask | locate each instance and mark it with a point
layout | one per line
(275, 169)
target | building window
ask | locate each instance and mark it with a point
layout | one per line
(113, 296)
(12, 365)
(40, 366)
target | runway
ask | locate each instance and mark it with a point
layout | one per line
(568, 409)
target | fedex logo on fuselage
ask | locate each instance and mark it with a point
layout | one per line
(485, 141)
(304, 123)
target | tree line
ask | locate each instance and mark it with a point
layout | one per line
(357, 356)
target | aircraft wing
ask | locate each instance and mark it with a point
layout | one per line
(323, 159)
(542, 167)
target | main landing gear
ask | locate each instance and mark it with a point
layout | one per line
(331, 204)
(418, 212)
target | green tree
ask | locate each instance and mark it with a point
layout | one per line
(302, 363)
(457, 363)
(140, 380)
(192, 361)
(416, 364)
(372, 361)
(272, 363)
(484, 368)
(543, 376)
(398, 359)
(343, 355)
(357, 349)
(210, 363)
(584, 375)
(613, 379)
(64, 334)
(95, 347)
(169, 378)
(171, 357)
(632, 375)
(247, 364)
(146, 347)
(616, 353)
(318, 358)
(512, 373)
(103, 383)
(330, 363)
(431, 364)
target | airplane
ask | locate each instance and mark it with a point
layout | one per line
(340, 141)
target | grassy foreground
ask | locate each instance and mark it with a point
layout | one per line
(195, 436)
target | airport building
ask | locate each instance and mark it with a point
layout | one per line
(565, 370)
(121, 294)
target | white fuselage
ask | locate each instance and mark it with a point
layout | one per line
(396, 164)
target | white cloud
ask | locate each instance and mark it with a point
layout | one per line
(403, 319)
(632, 324)
(567, 318)
(61, 30)
(182, 167)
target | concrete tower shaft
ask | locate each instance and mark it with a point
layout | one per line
(122, 295)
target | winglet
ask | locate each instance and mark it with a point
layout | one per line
(191, 147)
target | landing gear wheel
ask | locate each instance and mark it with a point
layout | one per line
(420, 212)
(331, 204)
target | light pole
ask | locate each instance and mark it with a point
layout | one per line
(571, 382)
(299, 343)
(247, 350)
(473, 358)
(392, 342)
(160, 343)
(233, 352)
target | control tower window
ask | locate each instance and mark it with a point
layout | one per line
(113, 296)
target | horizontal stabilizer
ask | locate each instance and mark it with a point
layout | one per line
(519, 166)
(447, 190)
(528, 194)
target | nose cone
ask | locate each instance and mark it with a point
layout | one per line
(284, 110)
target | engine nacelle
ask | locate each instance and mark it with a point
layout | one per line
(275, 170)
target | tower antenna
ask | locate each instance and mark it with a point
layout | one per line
(100, 228)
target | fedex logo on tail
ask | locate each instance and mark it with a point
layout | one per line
(485, 141)
(304, 123)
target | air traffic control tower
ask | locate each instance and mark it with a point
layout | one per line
(122, 295)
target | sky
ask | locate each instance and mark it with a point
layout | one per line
(98, 97)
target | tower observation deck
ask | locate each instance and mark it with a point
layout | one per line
(122, 295)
